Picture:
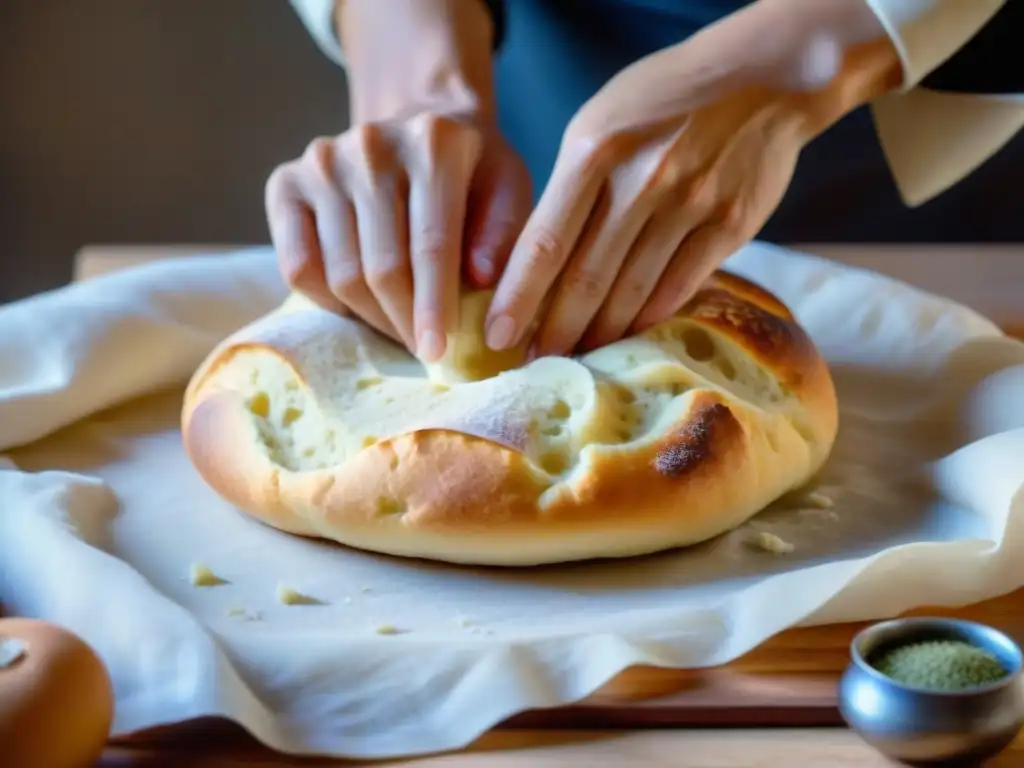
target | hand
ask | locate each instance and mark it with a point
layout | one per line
(376, 221)
(677, 162)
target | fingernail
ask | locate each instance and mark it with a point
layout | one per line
(430, 347)
(483, 261)
(500, 333)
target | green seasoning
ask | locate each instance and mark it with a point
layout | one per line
(944, 665)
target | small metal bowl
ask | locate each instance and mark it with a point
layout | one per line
(918, 725)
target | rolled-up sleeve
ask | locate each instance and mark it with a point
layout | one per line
(934, 138)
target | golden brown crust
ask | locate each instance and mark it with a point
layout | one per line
(446, 494)
(762, 325)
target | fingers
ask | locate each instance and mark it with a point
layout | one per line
(499, 205)
(636, 281)
(542, 250)
(293, 233)
(590, 274)
(442, 155)
(375, 221)
(338, 237)
(692, 264)
(376, 184)
(648, 258)
(343, 269)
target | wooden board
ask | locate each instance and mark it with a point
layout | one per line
(790, 680)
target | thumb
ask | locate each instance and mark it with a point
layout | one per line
(500, 199)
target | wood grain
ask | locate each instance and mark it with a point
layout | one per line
(789, 680)
(735, 748)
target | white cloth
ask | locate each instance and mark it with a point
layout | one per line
(101, 522)
(931, 140)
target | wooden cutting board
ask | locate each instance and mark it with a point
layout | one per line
(789, 681)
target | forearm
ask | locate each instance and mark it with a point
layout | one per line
(409, 56)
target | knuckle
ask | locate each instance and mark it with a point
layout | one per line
(635, 289)
(361, 143)
(387, 275)
(366, 153)
(431, 255)
(279, 183)
(546, 251)
(433, 247)
(435, 136)
(294, 271)
(594, 153)
(664, 176)
(433, 127)
(346, 280)
(699, 194)
(319, 157)
(585, 154)
(586, 284)
(733, 216)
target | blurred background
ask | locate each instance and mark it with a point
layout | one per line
(158, 121)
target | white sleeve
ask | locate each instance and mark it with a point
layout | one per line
(932, 140)
(318, 16)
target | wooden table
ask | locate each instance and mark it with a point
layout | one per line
(988, 278)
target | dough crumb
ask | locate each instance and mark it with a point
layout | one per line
(11, 650)
(201, 576)
(366, 590)
(239, 612)
(388, 629)
(769, 542)
(288, 596)
(464, 621)
(819, 500)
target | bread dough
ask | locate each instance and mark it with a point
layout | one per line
(288, 596)
(769, 542)
(201, 576)
(317, 425)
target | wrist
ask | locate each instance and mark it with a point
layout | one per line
(828, 58)
(410, 56)
(867, 71)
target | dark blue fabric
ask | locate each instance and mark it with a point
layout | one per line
(555, 54)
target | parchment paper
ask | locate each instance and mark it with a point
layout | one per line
(103, 516)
